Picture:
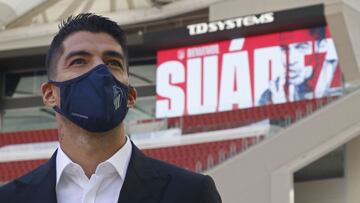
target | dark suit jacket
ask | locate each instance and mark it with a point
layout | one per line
(147, 181)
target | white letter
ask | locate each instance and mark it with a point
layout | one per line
(239, 22)
(191, 29)
(251, 20)
(267, 18)
(202, 88)
(221, 25)
(201, 28)
(230, 24)
(236, 44)
(167, 75)
(235, 73)
(212, 27)
(328, 67)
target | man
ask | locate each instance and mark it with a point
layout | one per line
(299, 73)
(96, 162)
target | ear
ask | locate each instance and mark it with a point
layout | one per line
(49, 94)
(132, 97)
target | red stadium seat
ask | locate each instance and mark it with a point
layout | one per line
(21, 137)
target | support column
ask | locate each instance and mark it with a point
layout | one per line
(282, 186)
(2, 98)
(352, 170)
(1, 120)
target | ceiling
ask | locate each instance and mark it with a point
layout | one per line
(20, 13)
(16, 13)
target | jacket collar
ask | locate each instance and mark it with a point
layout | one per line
(39, 185)
(142, 182)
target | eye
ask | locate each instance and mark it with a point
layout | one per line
(302, 46)
(78, 61)
(331, 61)
(114, 63)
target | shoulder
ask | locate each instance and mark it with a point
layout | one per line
(265, 97)
(177, 185)
(10, 192)
(175, 171)
(186, 183)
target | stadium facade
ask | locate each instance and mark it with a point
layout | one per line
(261, 95)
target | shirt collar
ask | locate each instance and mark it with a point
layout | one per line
(62, 161)
(120, 161)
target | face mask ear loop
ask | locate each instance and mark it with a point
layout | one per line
(57, 110)
(57, 84)
(129, 87)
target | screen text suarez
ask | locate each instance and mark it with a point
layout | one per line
(247, 72)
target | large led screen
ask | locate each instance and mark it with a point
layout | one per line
(247, 72)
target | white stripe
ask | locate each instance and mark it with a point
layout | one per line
(28, 151)
(44, 150)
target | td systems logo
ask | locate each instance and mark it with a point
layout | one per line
(202, 28)
(247, 72)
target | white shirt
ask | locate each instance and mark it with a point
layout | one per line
(73, 186)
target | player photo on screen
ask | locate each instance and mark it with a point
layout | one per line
(302, 68)
(247, 72)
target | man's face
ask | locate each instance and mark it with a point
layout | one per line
(298, 72)
(82, 51)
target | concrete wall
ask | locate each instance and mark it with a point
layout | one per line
(352, 170)
(264, 173)
(342, 19)
(246, 7)
(323, 191)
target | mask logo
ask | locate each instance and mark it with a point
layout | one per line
(117, 97)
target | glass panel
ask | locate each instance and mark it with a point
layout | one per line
(144, 109)
(28, 119)
(27, 84)
(142, 75)
(44, 118)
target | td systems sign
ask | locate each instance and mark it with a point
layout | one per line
(202, 28)
(247, 72)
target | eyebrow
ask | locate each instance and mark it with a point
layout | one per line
(115, 54)
(77, 53)
(109, 53)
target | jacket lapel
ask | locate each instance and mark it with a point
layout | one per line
(142, 182)
(39, 186)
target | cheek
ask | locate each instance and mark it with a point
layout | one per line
(74, 73)
(303, 76)
(123, 78)
(57, 96)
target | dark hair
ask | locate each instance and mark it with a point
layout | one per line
(83, 22)
(319, 33)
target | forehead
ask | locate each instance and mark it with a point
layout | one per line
(89, 41)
